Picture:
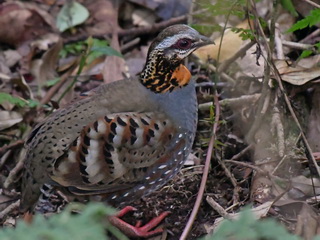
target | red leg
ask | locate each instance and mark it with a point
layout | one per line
(137, 230)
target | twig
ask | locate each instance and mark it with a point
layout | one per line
(278, 43)
(286, 98)
(13, 173)
(4, 213)
(310, 36)
(4, 158)
(224, 65)
(312, 3)
(242, 152)
(223, 75)
(216, 206)
(205, 172)
(155, 27)
(132, 32)
(295, 45)
(238, 102)
(279, 164)
(125, 47)
(56, 87)
(264, 99)
(278, 129)
(212, 84)
(233, 181)
(248, 165)
(14, 145)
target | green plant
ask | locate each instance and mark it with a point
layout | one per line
(93, 48)
(91, 224)
(90, 49)
(247, 227)
(312, 19)
(20, 102)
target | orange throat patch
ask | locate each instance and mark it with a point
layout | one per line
(182, 75)
(166, 79)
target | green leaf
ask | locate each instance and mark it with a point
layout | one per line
(245, 34)
(20, 102)
(91, 224)
(305, 53)
(71, 15)
(99, 51)
(106, 51)
(5, 97)
(247, 227)
(287, 4)
(52, 82)
(312, 19)
(99, 48)
(32, 103)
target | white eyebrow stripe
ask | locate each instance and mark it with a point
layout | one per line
(169, 41)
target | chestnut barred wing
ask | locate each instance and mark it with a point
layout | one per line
(121, 155)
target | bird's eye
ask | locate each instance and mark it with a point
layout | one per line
(184, 43)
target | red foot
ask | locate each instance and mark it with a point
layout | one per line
(28, 217)
(137, 230)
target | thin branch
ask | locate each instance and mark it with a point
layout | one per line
(314, 34)
(14, 145)
(286, 98)
(312, 3)
(224, 65)
(63, 79)
(217, 207)
(205, 172)
(248, 165)
(295, 45)
(4, 213)
(234, 182)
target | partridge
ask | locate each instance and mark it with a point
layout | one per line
(121, 140)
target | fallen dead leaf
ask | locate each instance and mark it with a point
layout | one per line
(306, 185)
(230, 45)
(308, 222)
(114, 66)
(296, 75)
(258, 212)
(21, 22)
(9, 118)
(302, 217)
(143, 17)
(45, 69)
(313, 133)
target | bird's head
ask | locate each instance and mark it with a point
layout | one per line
(164, 70)
(177, 42)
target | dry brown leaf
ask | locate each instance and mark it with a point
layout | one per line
(143, 17)
(308, 223)
(9, 118)
(21, 22)
(258, 212)
(296, 75)
(114, 67)
(44, 69)
(101, 20)
(231, 44)
(306, 185)
(11, 57)
(23, 86)
(303, 217)
(313, 133)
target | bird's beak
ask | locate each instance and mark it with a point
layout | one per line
(204, 41)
